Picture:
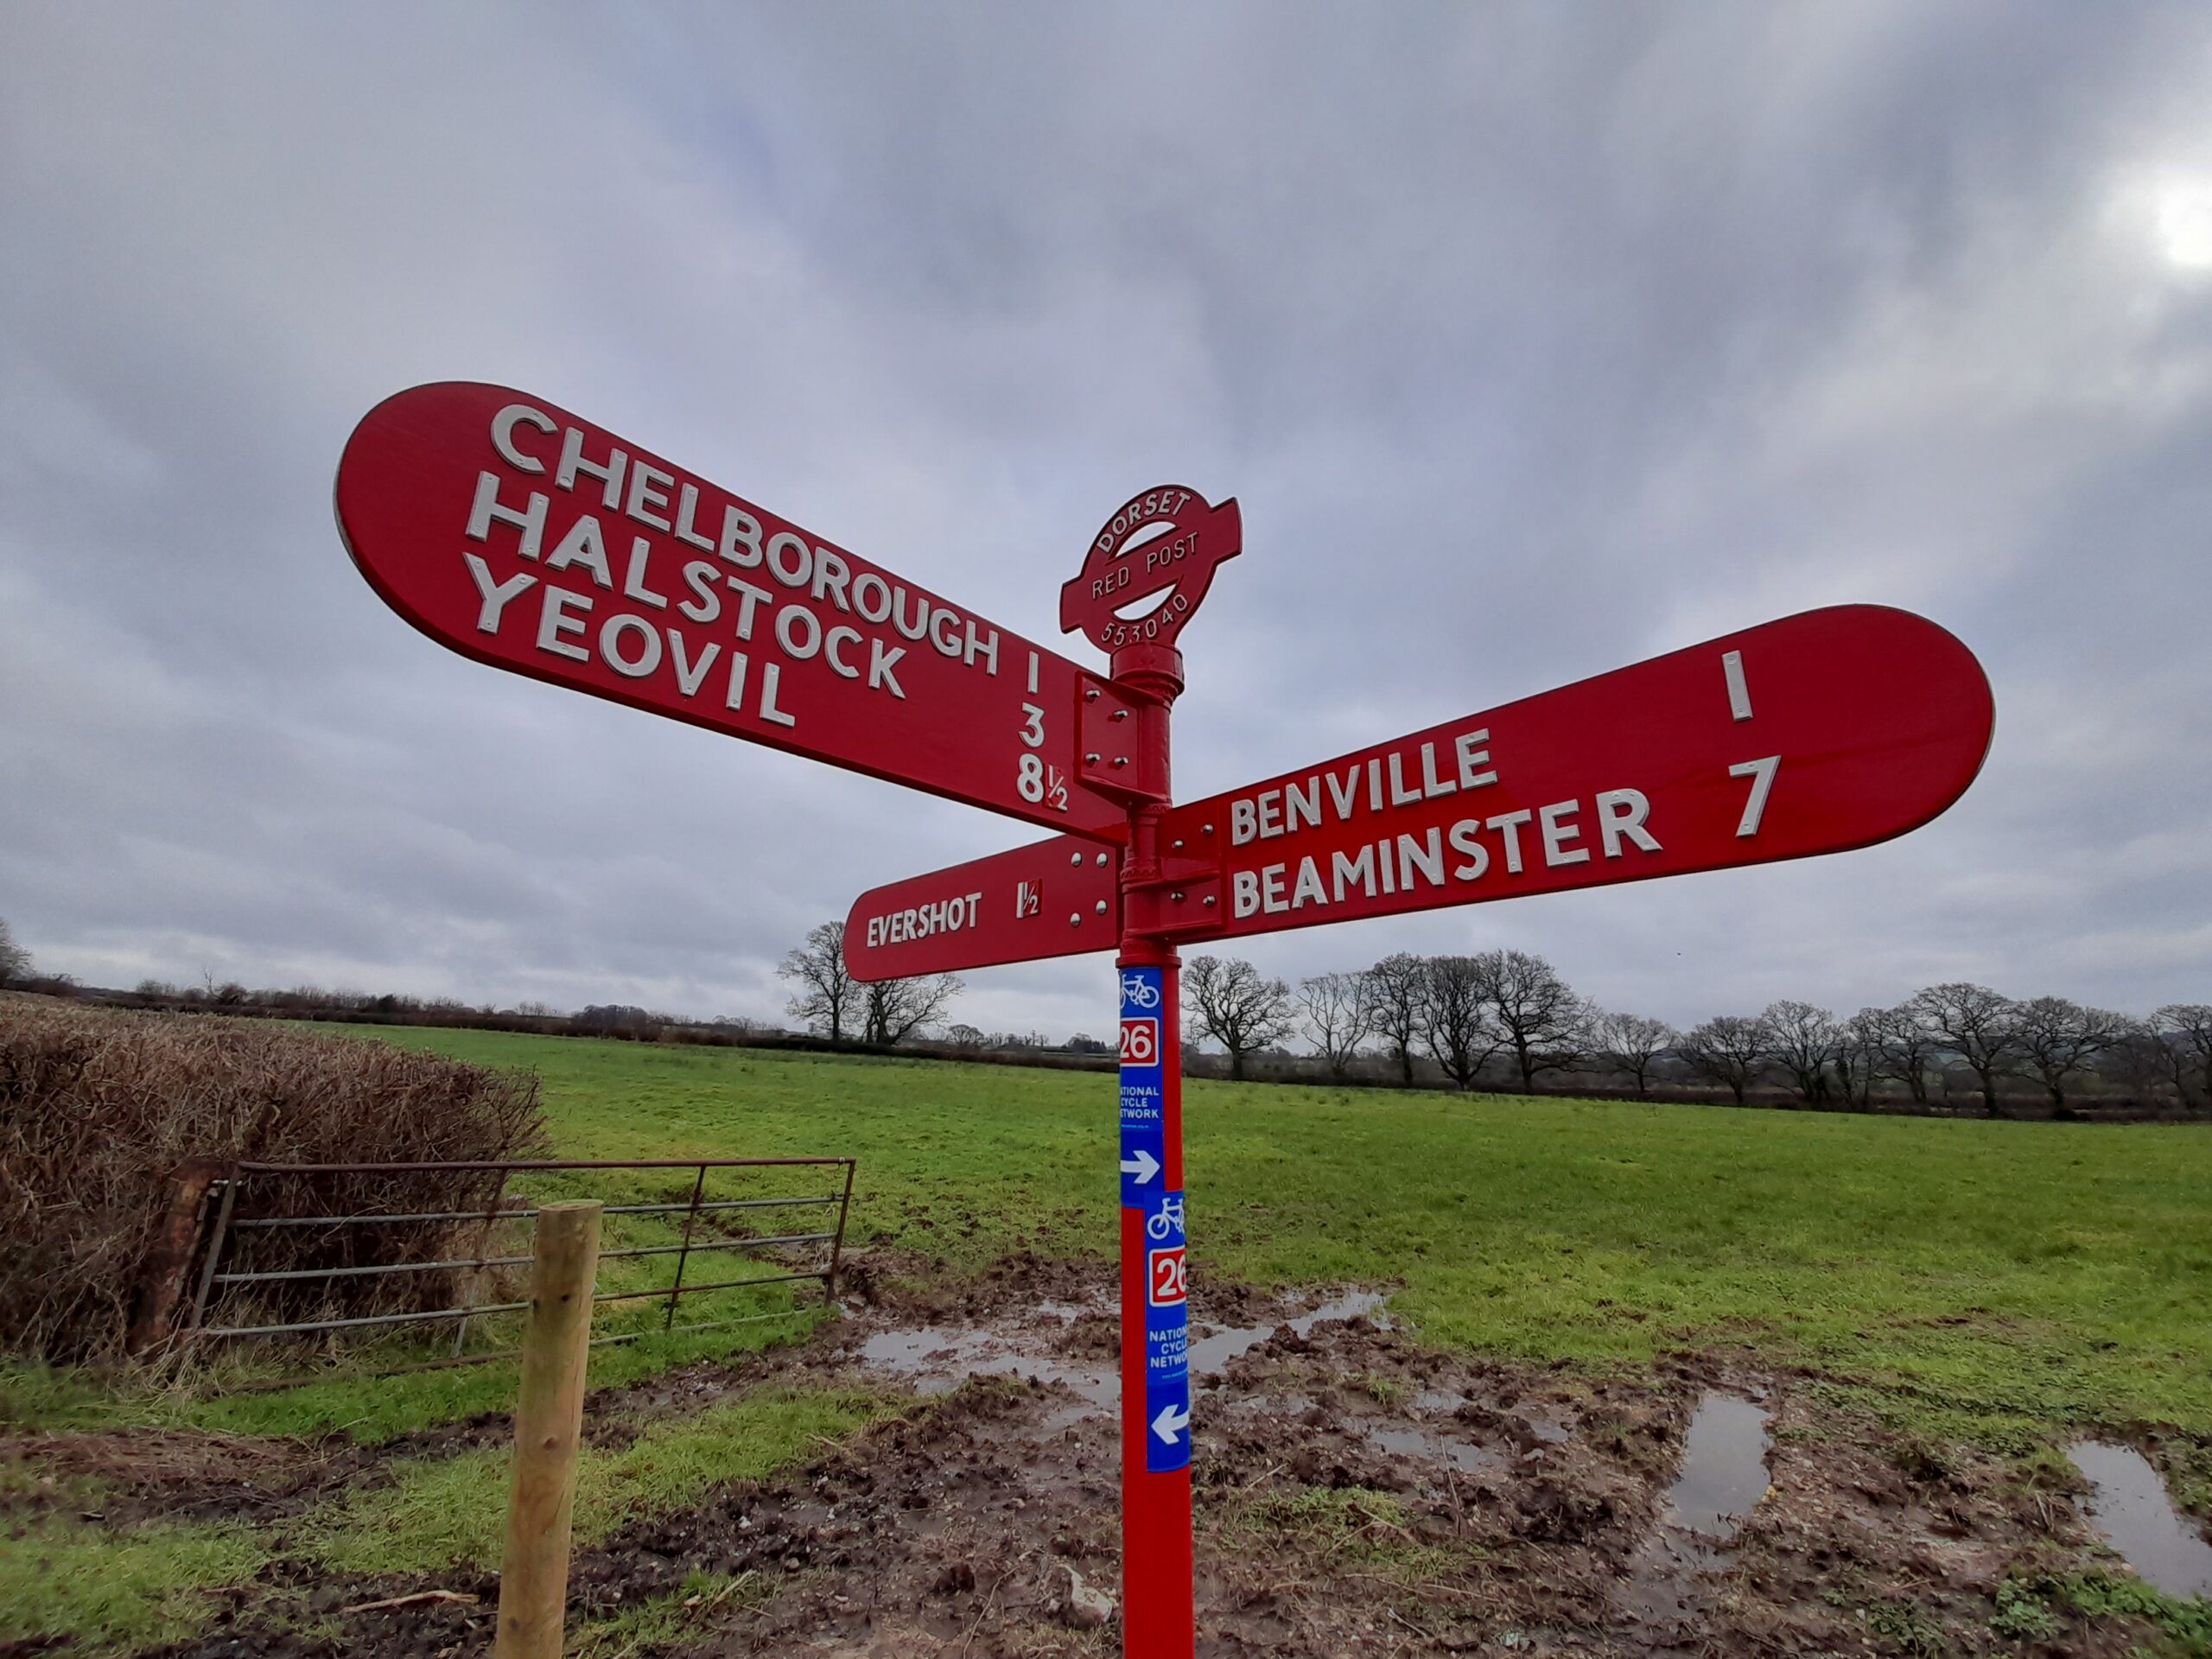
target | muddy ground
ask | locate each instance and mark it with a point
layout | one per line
(1354, 1494)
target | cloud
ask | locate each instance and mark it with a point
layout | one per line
(1531, 343)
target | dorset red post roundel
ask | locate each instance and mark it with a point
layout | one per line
(1148, 568)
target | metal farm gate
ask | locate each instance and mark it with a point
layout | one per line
(256, 1250)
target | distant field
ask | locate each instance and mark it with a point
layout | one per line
(1985, 1270)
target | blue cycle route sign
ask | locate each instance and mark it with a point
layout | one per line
(1144, 1189)
(1144, 1122)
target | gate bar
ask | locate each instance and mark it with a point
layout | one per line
(523, 1215)
(683, 1255)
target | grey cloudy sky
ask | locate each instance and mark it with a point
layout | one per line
(1533, 339)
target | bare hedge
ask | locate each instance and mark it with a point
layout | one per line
(98, 1108)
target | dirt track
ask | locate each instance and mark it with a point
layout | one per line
(1354, 1494)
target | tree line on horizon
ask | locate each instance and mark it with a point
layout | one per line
(1511, 1012)
(1502, 1016)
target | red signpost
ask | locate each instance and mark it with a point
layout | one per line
(520, 536)
(1823, 731)
(1056, 898)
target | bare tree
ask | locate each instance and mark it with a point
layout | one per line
(2191, 1026)
(1633, 1043)
(828, 998)
(894, 1009)
(1978, 1025)
(963, 1036)
(2146, 1062)
(1398, 985)
(14, 961)
(1459, 1002)
(1731, 1049)
(1340, 1015)
(1235, 1005)
(1545, 1023)
(1860, 1044)
(1802, 1041)
(1905, 1048)
(2060, 1039)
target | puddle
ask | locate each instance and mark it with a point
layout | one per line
(1290, 1405)
(936, 1359)
(2128, 1503)
(939, 1361)
(1442, 1400)
(1420, 1443)
(1212, 1352)
(1723, 1468)
(1722, 1477)
(1350, 1306)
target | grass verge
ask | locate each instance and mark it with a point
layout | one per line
(681, 1616)
(62, 1578)
(451, 1511)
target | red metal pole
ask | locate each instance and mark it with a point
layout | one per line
(1157, 1615)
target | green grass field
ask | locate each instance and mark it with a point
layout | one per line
(2027, 1268)
(1989, 1280)
(2054, 1271)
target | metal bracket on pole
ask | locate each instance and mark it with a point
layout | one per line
(1176, 907)
(1114, 760)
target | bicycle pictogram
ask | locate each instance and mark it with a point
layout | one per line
(1139, 991)
(1167, 1221)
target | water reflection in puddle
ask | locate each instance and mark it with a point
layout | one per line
(1290, 1405)
(1723, 1468)
(1212, 1352)
(2128, 1503)
(1418, 1443)
(1722, 1477)
(1352, 1305)
(940, 1359)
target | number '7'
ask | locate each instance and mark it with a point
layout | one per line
(1761, 773)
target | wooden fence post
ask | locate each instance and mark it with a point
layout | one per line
(162, 1280)
(548, 1425)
